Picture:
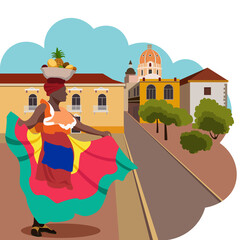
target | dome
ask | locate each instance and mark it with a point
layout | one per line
(131, 71)
(150, 55)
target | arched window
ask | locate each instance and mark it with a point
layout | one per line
(168, 92)
(150, 64)
(151, 92)
(102, 102)
(75, 102)
(32, 102)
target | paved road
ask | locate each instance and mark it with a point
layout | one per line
(175, 198)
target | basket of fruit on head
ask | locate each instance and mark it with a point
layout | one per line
(56, 68)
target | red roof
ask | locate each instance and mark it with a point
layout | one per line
(91, 78)
(203, 75)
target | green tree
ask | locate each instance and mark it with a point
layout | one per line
(195, 141)
(149, 112)
(154, 110)
(170, 115)
(182, 117)
(212, 117)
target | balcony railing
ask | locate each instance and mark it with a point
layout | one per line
(100, 108)
(29, 108)
(74, 108)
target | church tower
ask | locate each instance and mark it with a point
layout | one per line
(130, 74)
(130, 80)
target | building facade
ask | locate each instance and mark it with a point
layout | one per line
(150, 85)
(203, 84)
(152, 88)
(95, 99)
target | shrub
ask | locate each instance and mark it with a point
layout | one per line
(195, 141)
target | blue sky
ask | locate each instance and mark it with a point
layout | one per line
(104, 49)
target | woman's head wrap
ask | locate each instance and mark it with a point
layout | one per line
(53, 84)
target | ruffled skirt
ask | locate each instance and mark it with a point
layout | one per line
(60, 180)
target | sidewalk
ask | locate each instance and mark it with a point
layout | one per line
(121, 216)
(134, 220)
(215, 168)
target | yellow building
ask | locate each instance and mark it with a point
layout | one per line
(150, 85)
(145, 89)
(95, 99)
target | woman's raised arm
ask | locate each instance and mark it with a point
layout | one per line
(34, 119)
(82, 127)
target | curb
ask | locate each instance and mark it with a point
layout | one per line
(146, 212)
(209, 189)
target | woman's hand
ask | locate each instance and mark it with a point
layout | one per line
(106, 133)
(87, 129)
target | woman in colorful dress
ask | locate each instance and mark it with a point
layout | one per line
(62, 176)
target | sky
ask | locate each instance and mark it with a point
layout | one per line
(202, 31)
(103, 49)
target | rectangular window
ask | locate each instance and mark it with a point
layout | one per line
(141, 72)
(150, 71)
(134, 92)
(137, 90)
(207, 91)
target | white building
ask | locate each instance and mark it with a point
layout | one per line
(203, 84)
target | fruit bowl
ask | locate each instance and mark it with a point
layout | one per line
(54, 72)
